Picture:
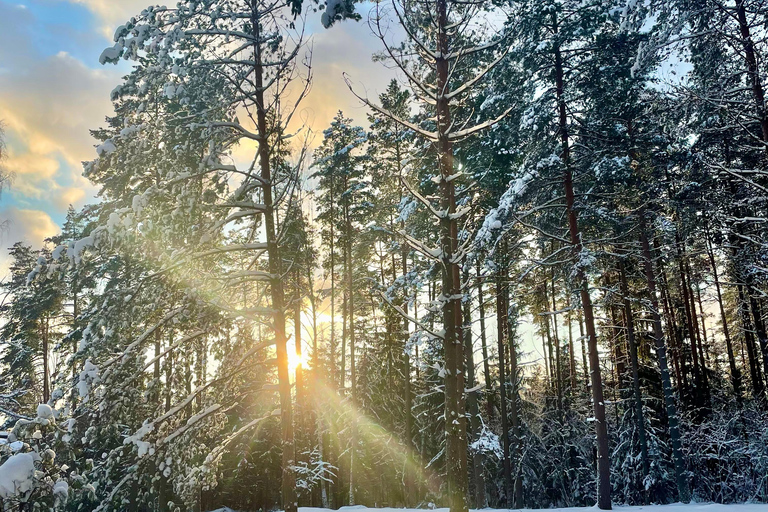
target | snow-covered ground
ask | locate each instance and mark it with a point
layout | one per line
(676, 507)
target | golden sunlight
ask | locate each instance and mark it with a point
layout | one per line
(295, 360)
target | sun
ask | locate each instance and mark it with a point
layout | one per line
(295, 360)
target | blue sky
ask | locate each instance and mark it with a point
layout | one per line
(53, 91)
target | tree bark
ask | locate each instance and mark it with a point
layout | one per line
(754, 368)
(455, 420)
(601, 427)
(489, 393)
(475, 423)
(288, 491)
(501, 330)
(632, 348)
(683, 492)
(752, 69)
(735, 373)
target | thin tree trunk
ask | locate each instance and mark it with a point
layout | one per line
(735, 373)
(753, 71)
(410, 484)
(584, 364)
(352, 367)
(601, 427)
(754, 367)
(517, 437)
(478, 464)
(46, 366)
(688, 276)
(501, 330)
(558, 358)
(572, 357)
(489, 393)
(678, 358)
(683, 493)
(632, 348)
(690, 322)
(301, 409)
(760, 330)
(288, 493)
(705, 343)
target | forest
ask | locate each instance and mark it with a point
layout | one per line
(535, 277)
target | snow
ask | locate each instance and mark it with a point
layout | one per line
(56, 254)
(106, 147)
(169, 91)
(111, 54)
(17, 475)
(61, 489)
(89, 374)
(143, 447)
(44, 411)
(676, 507)
(487, 443)
(80, 245)
(330, 13)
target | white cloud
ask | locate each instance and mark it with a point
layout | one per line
(346, 47)
(29, 226)
(48, 111)
(113, 13)
(55, 103)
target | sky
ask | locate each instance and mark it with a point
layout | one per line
(53, 91)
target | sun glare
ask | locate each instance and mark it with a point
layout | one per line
(295, 360)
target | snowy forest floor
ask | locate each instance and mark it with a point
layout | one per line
(675, 507)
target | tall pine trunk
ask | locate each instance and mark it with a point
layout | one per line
(489, 393)
(475, 421)
(288, 491)
(455, 420)
(735, 372)
(683, 493)
(501, 330)
(632, 347)
(601, 427)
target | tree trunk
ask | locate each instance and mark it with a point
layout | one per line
(692, 327)
(584, 364)
(753, 71)
(455, 420)
(46, 366)
(352, 368)
(288, 493)
(601, 427)
(735, 373)
(514, 415)
(572, 357)
(501, 330)
(632, 348)
(489, 393)
(683, 493)
(558, 358)
(678, 358)
(475, 423)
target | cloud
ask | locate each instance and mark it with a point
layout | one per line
(30, 170)
(113, 13)
(66, 196)
(48, 111)
(53, 105)
(29, 226)
(346, 47)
